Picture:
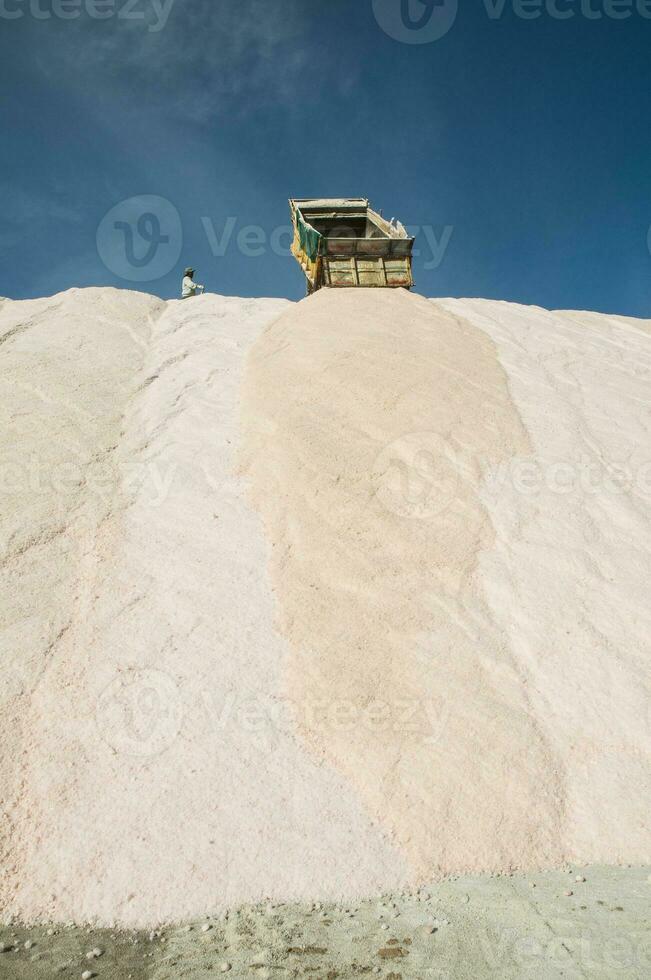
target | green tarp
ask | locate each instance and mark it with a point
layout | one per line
(309, 239)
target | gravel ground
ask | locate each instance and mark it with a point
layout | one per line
(590, 922)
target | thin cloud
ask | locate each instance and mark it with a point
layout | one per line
(209, 55)
(25, 213)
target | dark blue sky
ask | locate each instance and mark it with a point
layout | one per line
(524, 144)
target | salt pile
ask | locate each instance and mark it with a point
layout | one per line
(315, 601)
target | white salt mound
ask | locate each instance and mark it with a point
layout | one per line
(367, 607)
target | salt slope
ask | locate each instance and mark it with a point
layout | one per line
(567, 578)
(149, 771)
(483, 647)
(68, 367)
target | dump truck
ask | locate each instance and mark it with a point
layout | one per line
(344, 242)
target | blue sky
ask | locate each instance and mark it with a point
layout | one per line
(520, 147)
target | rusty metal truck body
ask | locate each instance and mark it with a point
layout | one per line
(343, 242)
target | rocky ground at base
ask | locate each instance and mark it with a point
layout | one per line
(588, 922)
